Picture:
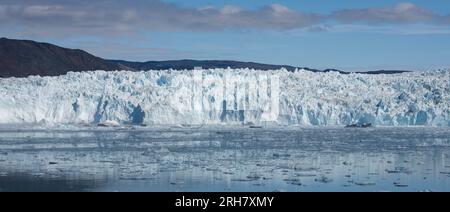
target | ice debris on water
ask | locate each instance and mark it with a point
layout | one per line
(368, 183)
(323, 179)
(108, 123)
(399, 184)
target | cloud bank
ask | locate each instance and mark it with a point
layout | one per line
(114, 17)
(401, 13)
(123, 16)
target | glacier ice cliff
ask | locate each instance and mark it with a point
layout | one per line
(229, 96)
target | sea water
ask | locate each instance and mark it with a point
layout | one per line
(225, 159)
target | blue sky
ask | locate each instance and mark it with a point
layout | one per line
(347, 34)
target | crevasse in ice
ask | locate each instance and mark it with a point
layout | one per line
(229, 96)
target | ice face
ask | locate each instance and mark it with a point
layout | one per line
(229, 96)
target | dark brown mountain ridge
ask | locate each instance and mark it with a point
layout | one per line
(22, 58)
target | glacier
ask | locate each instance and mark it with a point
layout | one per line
(228, 97)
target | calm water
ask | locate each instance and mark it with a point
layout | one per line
(215, 159)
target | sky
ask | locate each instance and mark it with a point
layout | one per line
(347, 34)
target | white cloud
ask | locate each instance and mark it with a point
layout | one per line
(279, 9)
(398, 14)
(230, 9)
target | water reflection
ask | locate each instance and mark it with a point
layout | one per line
(311, 159)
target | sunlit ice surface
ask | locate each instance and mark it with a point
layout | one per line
(228, 96)
(224, 158)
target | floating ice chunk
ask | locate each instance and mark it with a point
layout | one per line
(109, 123)
(365, 183)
